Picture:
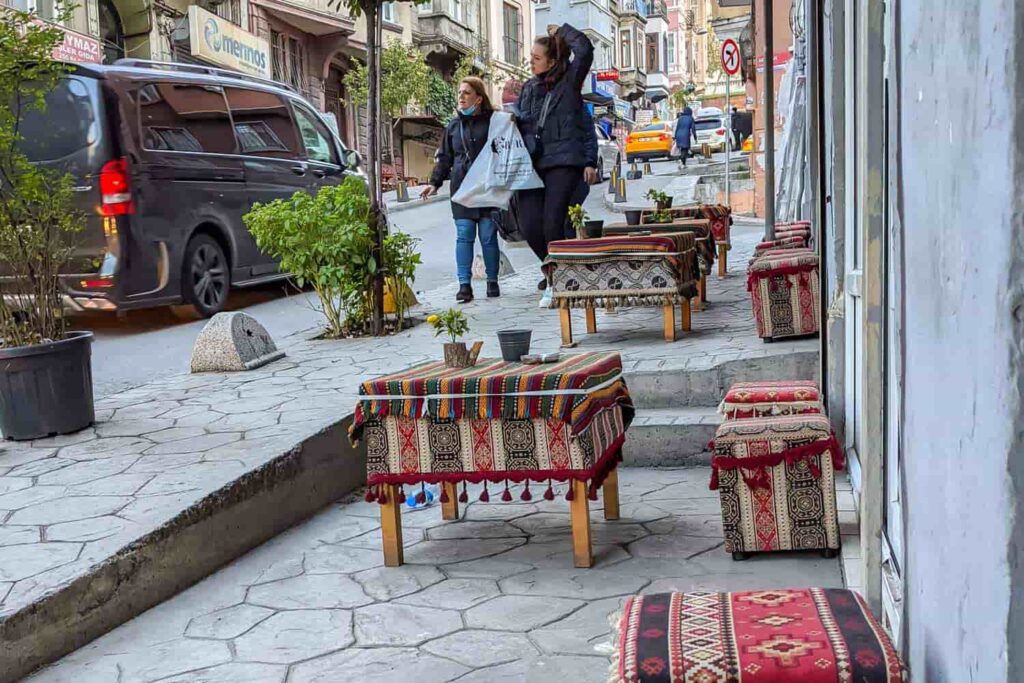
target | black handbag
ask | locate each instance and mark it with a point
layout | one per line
(535, 143)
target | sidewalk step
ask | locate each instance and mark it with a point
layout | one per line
(671, 437)
(705, 387)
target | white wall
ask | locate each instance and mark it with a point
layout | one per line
(961, 90)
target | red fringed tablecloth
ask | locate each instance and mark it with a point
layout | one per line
(497, 421)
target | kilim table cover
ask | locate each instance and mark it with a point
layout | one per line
(496, 421)
(784, 294)
(718, 215)
(776, 479)
(771, 397)
(802, 635)
(702, 233)
(624, 271)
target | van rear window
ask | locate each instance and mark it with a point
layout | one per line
(68, 124)
(707, 125)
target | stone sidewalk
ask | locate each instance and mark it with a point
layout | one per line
(162, 456)
(490, 598)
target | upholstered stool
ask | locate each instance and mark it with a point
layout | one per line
(785, 242)
(771, 397)
(784, 294)
(776, 479)
(802, 635)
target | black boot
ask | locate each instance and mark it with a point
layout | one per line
(493, 291)
(465, 294)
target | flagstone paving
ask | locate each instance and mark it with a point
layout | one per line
(494, 598)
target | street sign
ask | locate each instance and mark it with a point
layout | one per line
(730, 56)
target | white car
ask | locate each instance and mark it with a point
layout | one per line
(607, 152)
(713, 131)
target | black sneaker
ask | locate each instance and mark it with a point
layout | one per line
(542, 285)
(465, 294)
(493, 290)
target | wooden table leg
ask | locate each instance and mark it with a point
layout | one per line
(579, 516)
(723, 253)
(565, 316)
(700, 295)
(591, 320)
(703, 289)
(611, 495)
(391, 528)
(684, 309)
(669, 315)
(450, 510)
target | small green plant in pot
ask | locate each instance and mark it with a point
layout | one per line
(454, 324)
(45, 369)
(661, 199)
(577, 218)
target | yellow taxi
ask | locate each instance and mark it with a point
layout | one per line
(652, 141)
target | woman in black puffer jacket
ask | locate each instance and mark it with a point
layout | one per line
(550, 119)
(464, 138)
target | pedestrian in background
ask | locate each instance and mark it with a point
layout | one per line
(685, 131)
(551, 123)
(464, 138)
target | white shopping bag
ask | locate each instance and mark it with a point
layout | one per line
(474, 191)
(510, 165)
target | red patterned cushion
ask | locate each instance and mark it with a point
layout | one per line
(771, 397)
(792, 260)
(794, 242)
(803, 635)
(793, 224)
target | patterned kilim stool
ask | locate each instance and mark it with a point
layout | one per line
(787, 242)
(491, 423)
(784, 295)
(652, 270)
(771, 397)
(776, 479)
(802, 635)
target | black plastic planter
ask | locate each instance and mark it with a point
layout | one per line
(633, 217)
(514, 344)
(667, 204)
(47, 389)
(593, 229)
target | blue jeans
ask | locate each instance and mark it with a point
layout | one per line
(465, 231)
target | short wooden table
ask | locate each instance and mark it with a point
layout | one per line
(496, 422)
(720, 218)
(612, 272)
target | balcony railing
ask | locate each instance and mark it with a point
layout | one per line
(637, 7)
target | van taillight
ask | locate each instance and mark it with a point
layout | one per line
(720, 131)
(115, 189)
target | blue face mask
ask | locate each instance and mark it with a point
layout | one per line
(468, 111)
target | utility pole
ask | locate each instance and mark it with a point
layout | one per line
(769, 120)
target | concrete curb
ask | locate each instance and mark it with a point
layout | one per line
(243, 514)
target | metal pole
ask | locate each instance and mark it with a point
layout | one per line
(769, 121)
(728, 145)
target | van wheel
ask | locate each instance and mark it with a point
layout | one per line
(205, 280)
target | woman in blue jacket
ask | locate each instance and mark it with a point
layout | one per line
(686, 130)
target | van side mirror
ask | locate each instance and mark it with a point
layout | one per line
(353, 159)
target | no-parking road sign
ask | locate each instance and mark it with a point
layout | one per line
(730, 56)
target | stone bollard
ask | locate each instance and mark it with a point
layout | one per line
(231, 342)
(504, 267)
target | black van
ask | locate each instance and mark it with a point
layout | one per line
(166, 159)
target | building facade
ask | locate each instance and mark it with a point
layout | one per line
(914, 169)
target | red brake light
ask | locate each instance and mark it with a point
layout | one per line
(720, 131)
(115, 189)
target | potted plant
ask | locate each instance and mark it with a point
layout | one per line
(454, 323)
(45, 369)
(633, 216)
(661, 200)
(659, 217)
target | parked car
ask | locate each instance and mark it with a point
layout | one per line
(653, 141)
(166, 159)
(607, 152)
(712, 128)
